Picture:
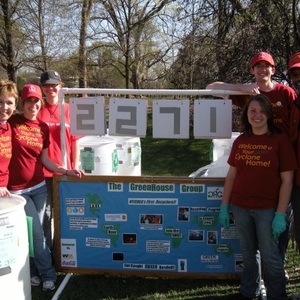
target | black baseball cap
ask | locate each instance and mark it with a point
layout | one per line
(50, 77)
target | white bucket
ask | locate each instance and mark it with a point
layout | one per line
(222, 147)
(96, 155)
(129, 155)
(14, 250)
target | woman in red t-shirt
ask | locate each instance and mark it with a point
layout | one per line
(8, 103)
(258, 185)
(30, 142)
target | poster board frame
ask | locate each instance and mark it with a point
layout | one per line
(126, 179)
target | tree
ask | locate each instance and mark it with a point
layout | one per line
(9, 37)
(47, 33)
(82, 57)
(231, 32)
(124, 23)
(100, 69)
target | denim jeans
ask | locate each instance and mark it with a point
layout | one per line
(255, 232)
(296, 208)
(35, 208)
(48, 214)
(284, 238)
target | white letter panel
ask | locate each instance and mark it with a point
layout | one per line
(212, 119)
(171, 119)
(87, 116)
(127, 117)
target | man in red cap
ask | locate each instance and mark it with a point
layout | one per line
(294, 75)
(294, 71)
(282, 97)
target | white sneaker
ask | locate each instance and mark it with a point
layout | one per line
(48, 285)
(286, 275)
(35, 281)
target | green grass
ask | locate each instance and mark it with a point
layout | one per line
(161, 157)
(103, 287)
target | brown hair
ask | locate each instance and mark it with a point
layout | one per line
(265, 103)
(9, 88)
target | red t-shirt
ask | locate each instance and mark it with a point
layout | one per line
(50, 114)
(5, 152)
(297, 173)
(259, 160)
(29, 138)
(286, 114)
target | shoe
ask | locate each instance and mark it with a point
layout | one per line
(48, 285)
(35, 281)
(286, 275)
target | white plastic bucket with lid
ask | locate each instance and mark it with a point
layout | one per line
(129, 155)
(14, 250)
(96, 155)
(222, 147)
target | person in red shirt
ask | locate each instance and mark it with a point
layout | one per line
(258, 186)
(281, 96)
(8, 103)
(30, 142)
(286, 114)
(294, 74)
(50, 113)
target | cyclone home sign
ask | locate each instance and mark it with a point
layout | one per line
(170, 118)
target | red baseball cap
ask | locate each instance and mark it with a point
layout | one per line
(31, 90)
(294, 61)
(262, 56)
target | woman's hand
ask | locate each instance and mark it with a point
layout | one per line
(74, 172)
(4, 192)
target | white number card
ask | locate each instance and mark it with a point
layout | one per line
(171, 119)
(87, 116)
(212, 119)
(128, 117)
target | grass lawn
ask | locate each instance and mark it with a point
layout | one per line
(103, 287)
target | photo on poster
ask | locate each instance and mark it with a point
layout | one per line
(212, 237)
(183, 214)
(239, 265)
(196, 235)
(182, 265)
(118, 256)
(129, 238)
(151, 219)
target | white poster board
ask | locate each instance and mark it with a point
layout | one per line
(127, 117)
(171, 119)
(212, 119)
(87, 116)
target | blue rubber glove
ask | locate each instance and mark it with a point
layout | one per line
(224, 215)
(278, 224)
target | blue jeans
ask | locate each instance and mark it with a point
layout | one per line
(284, 238)
(255, 232)
(296, 208)
(35, 208)
(48, 214)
